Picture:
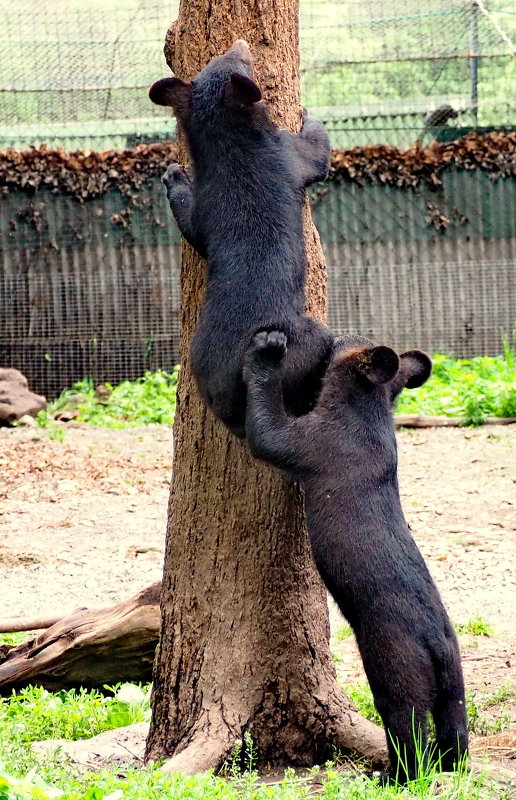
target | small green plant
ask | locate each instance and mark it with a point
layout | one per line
(23, 776)
(476, 626)
(480, 723)
(12, 639)
(425, 766)
(243, 758)
(362, 698)
(505, 692)
(56, 434)
(36, 714)
(343, 633)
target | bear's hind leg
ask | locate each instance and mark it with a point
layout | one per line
(450, 718)
(406, 732)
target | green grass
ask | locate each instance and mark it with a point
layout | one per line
(476, 626)
(505, 692)
(362, 698)
(477, 704)
(12, 639)
(473, 389)
(151, 399)
(343, 633)
(54, 781)
(36, 714)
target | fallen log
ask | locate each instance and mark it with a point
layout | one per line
(88, 648)
(423, 421)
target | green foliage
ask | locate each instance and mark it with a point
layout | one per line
(151, 399)
(343, 633)
(36, 714)
(352, 53)
(473, 389)
(12, 639)
(469, 388)
(362, 698)
(478, 721)
(476, 626)
(506, 691)
(332, 784)
(242, 760)
(477, 703)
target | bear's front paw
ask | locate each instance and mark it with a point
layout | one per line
(267, 350)
(272, 342)
(175, 174)
(270, 346)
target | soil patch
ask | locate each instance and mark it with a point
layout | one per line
(82, 523)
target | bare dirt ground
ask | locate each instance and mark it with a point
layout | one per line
(82, 523)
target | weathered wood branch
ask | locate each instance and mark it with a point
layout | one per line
(88, 647)
(423, 421)
(18, 624)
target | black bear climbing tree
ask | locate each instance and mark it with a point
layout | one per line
(244, 638)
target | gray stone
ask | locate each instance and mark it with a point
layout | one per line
(16, 399)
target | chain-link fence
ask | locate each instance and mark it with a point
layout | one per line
(379, 71)
(92, 289)
(76, 73)
(89, 275)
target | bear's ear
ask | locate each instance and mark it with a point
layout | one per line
(415, 369)
(378, 364)
(171, 92)
(242, 91)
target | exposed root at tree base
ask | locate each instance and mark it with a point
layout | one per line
(203, 753)
(344, 729)
(347, 730)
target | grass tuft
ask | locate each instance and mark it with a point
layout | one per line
(343, 633)
(476, 626)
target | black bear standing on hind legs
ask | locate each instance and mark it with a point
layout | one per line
(344, 453)
(242, 212)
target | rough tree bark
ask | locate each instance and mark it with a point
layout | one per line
(244, 636)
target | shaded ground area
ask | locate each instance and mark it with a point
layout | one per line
(82, 522)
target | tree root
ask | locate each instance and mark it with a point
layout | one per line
(349, 731)
(213, 741)
(203, 753)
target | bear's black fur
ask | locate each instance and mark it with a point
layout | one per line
(344, 453)
(242, 212)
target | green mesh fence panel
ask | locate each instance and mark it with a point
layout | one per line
(90, 290)
(75, 74)
(376, 71)
(82, 296)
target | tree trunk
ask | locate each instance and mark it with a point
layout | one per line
(244, 636)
